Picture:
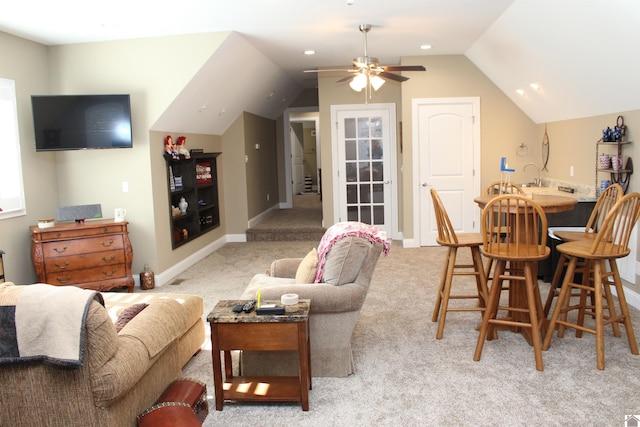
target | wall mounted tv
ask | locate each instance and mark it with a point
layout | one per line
(80, 122)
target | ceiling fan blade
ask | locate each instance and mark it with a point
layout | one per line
(321, 70)
(393, 76)
(403, 68)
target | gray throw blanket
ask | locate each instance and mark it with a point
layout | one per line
(46, 325)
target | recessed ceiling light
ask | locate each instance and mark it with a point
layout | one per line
(520, 92)
(310, 52)
(425, 47)
(535, 86)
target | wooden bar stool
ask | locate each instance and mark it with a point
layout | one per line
(523, 225)
(610, 243)
(448, 237)
(605, 202)
(497, 188)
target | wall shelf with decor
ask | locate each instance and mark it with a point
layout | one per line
(193, 196)
(611, 166)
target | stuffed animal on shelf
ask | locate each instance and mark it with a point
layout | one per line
(182, 147)
(170, 147)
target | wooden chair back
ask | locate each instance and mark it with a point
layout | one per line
(605, 202)
(498, 187)
(514, 227)
(613, 237)
(446, 233)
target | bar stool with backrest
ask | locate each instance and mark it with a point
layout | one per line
(523, 225)
(610, 243)
(449, 238)
(497, 188)
(605, 202)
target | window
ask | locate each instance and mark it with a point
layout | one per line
(11, 189)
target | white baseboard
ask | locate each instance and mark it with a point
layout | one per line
(262, 216)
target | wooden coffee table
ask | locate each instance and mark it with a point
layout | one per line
(248, 331)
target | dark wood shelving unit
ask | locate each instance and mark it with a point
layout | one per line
(196, 180)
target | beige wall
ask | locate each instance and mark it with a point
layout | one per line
(332, 93)
(26, 63)
(261, 169)
(148, 70)
(235, 177)
(167, 258)
(503, 125)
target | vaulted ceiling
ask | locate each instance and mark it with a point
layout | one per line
(582, 54)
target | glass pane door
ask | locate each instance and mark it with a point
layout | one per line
(364, 169)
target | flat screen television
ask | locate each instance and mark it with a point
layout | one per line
(80, 122)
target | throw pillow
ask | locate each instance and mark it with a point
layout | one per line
(307, 268)
(127, 314)
(344, 260)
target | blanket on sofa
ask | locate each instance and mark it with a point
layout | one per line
(47, 324)
(341, 230)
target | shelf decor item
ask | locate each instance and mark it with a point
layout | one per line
(147, 278)
(183, 205)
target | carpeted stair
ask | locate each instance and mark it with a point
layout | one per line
(303, 222)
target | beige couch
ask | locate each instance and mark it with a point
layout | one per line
(334, 308)
(122, 373)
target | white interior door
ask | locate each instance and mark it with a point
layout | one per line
(447, 133)
(297, 157)
(364, 161)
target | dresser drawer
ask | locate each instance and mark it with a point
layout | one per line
(72, 277)
(80, 262)
(70, 233)
(65, 248)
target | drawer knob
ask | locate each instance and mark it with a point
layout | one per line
(107, 274)
(106, 245)
(64, 248)
(109, 260)
(63, 281)
(62, 267)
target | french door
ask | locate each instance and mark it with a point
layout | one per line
(363, 139)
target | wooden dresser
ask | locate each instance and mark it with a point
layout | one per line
(94, 255)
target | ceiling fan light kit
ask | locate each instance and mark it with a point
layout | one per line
(369, 74)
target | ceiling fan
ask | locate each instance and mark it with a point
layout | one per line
(367, 73)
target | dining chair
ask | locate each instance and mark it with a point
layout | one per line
(610, 243)
(448, 237)
(523, 225)
(605, 202)
(498, 187)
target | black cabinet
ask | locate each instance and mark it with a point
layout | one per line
(193, 181)
(577, 217)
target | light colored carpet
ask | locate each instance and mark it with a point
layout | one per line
(404, 376)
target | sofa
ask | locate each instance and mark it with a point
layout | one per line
(337, 287)
(121, 374)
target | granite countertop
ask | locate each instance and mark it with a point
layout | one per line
(549, 187)
(223, 313)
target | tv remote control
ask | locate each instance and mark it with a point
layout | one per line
(238, 308)
(249, 306)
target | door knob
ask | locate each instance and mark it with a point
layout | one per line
(424, 184)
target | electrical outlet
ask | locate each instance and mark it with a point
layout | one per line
(125, 186)
(571, 171)
(268, 197)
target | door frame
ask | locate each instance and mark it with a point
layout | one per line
(299, 114)
(393, 170)
(415, 146)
